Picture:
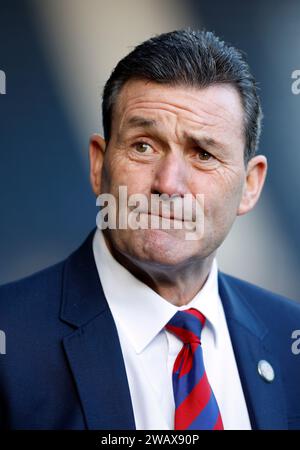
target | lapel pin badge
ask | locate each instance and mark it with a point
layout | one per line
(266, 371)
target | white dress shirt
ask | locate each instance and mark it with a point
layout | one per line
(149, 350)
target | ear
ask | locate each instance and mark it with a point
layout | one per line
(255, 178)
(96, 151)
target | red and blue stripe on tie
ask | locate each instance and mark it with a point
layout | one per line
(195, 405)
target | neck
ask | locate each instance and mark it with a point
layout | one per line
(177, 284)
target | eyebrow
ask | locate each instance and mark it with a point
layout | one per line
(203, 140)
(143, 122)
(138, 122)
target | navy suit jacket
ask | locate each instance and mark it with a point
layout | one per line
(64, 369)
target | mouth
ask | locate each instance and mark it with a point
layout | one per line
(166, 216)
(166, 221)
(169, 215)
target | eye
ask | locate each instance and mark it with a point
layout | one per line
(204, 155)
(142, 147)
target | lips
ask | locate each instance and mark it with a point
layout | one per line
(164, 222)
(166, 215)
(183, 210)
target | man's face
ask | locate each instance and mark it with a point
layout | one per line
(176, 141)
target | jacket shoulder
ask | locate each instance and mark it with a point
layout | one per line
(32, 289)
(264, 301)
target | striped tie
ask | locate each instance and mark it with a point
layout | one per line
(195, 405)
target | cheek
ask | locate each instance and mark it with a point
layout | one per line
(114, 171)
(124, 172)
(222, 194)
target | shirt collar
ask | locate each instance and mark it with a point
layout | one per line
(137, 308)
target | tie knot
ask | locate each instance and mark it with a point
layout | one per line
(187, 325)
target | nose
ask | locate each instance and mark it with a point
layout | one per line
(171, 176)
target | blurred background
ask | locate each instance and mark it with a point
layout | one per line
(57, 55)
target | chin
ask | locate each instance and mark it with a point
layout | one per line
(164, 247)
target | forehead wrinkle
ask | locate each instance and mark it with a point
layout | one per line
(183, 93)
(217, 120)
(138, 121)
(171, 107)
(196, 118)
(197, 98)
(218, 123)
(150, 122)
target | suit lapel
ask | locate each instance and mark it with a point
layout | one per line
(93, 350)
(251, 343)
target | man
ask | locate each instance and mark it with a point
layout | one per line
(138, 328)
